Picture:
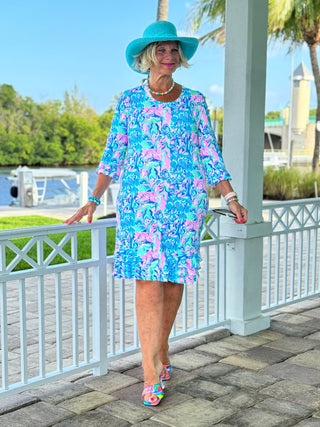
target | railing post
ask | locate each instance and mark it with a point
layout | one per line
(243, 144)
(99, 300)
(83, 188)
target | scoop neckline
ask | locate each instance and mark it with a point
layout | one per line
(161, 102)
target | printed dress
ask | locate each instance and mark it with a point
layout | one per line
(165, 154)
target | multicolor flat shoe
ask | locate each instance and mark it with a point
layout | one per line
(166, 372)
(157, 391)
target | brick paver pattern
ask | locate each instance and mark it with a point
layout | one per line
(271, 378)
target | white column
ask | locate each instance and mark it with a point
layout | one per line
(84, 177)
(99, 300)
(244, 110)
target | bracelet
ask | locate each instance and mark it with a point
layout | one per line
(230, 195)
(95, 200)
(233, 199)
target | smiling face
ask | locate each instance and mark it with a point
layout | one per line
(168, 57)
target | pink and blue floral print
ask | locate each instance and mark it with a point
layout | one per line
(165, 154)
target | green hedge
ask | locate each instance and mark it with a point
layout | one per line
(284, 184)
(289, 184)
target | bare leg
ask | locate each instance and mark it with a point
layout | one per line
(172, 295)
(149, 309)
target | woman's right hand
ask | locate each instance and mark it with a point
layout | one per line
(88, 209)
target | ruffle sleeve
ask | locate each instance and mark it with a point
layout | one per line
(209, 150)
(116, 147)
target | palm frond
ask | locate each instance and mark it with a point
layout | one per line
(309, 9)
(297, 21)
(279, 12)
(210, 10)
(218, 35)
(294, 20)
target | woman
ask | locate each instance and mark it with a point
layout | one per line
(162, 147)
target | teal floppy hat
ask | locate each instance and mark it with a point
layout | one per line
(156, 32)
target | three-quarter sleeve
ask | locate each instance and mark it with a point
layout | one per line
(115, 151)
(209, 150)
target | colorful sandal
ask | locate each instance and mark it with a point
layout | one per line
(166, 372)
(157, 390)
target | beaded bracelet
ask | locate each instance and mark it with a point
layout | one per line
(95, 200)
(230, 195)
(233, 199)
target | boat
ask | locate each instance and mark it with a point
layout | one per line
(29, 187)
(276, 159)
(55, 187)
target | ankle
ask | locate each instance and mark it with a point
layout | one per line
(165, 360)
(152, 372)
(164, 356)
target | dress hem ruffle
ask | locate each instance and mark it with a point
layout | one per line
(163, 278)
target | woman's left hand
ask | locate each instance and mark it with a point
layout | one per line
(240, 211)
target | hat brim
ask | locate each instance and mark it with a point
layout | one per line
(188, 45)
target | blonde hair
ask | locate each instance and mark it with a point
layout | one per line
(147, 56)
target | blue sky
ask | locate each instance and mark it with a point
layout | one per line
(48, 46)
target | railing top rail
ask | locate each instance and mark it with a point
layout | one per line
(44, 230)
(297, 202)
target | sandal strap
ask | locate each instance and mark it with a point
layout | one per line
(155, 389)
(166, 372)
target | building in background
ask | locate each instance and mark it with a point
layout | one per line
(302, 125)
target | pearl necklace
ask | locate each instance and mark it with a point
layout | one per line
(160, 93)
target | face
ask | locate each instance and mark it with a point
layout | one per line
(167, 54)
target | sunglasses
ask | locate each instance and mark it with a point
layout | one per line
(224, 212)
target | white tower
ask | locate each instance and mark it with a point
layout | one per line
(301, 98)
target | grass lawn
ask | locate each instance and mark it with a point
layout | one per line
(8, 222)
(84, 239)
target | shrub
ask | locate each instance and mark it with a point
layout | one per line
(212, 192)
(288, 184)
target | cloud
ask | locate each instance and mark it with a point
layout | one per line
(216, 89)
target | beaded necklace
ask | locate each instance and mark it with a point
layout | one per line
(160, 93)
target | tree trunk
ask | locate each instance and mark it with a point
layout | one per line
(163, 6)
(316, 75)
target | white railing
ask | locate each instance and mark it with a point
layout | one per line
(291, 256)
(60, 315)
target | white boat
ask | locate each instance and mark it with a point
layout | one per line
(277, 159)
(29, 186)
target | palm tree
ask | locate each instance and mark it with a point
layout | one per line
(162, 13)
(213, 10)
(296, 21)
